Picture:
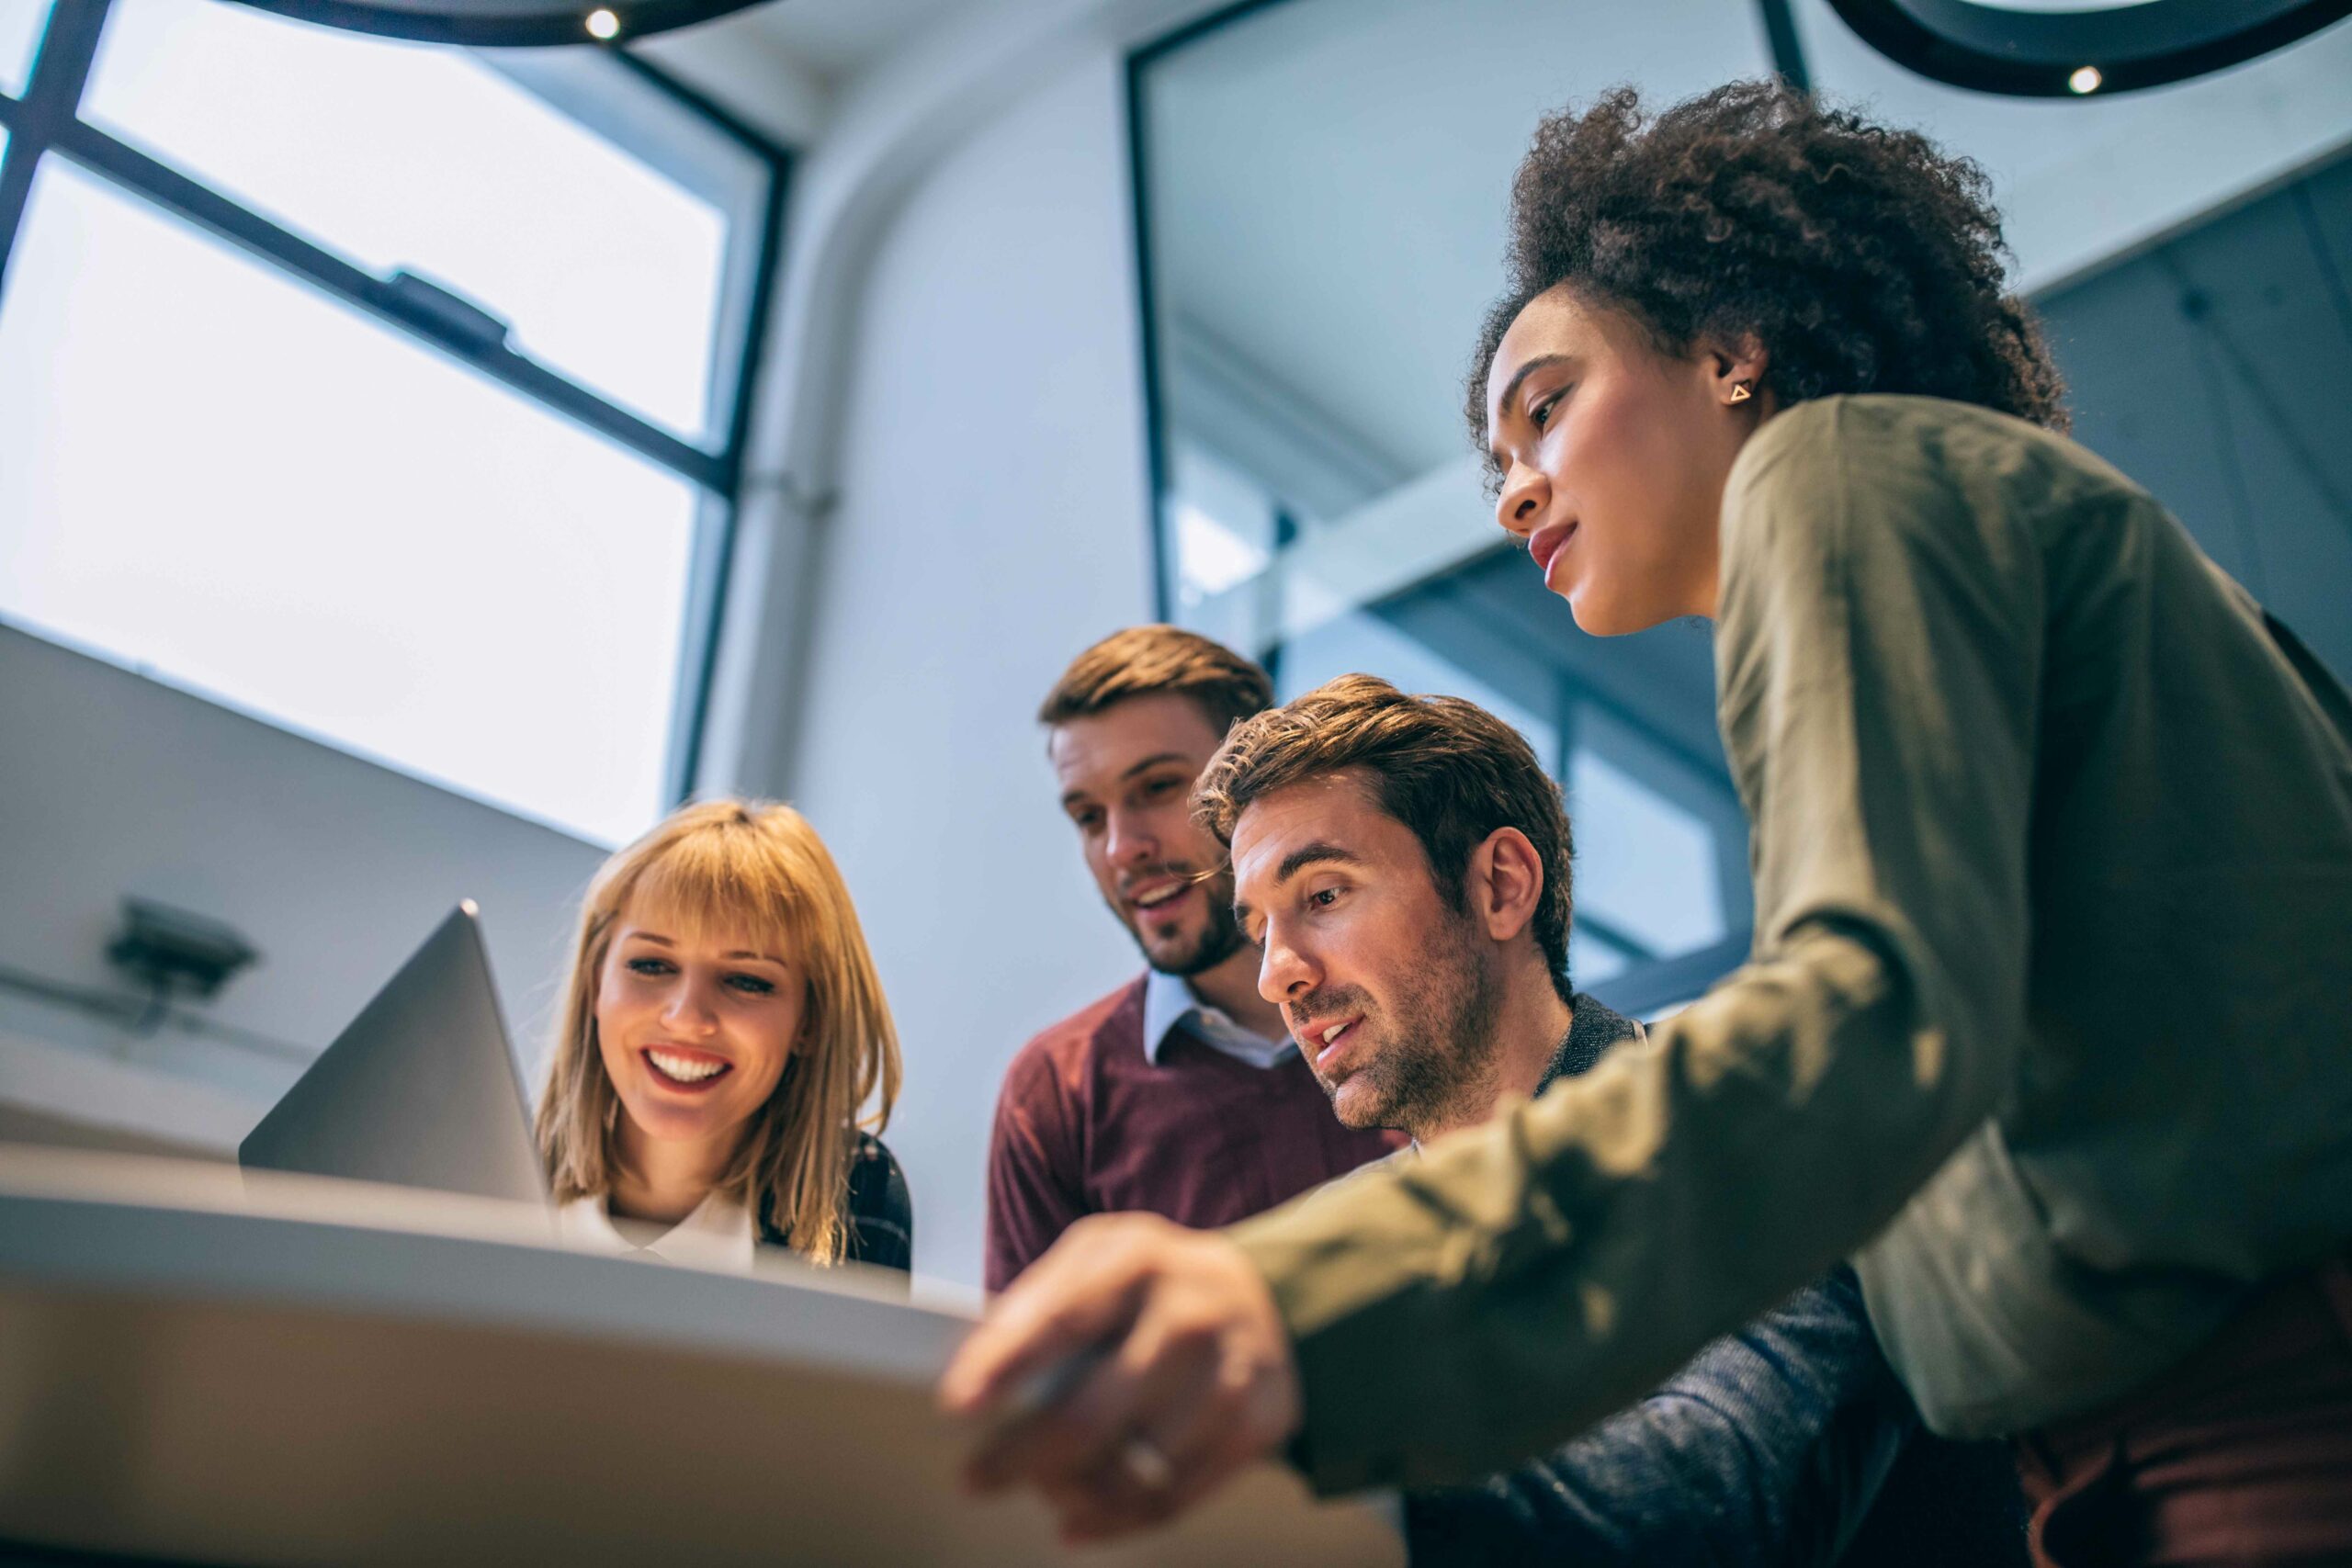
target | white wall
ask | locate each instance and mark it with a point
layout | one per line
(333, 867)
(991, 523)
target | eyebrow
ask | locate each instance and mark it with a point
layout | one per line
(1155, 760)
(659, 941)
(1322, 851)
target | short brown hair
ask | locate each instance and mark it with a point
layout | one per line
(1154, 660)
(1445, 767)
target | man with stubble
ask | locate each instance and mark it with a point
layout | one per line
(1181, 1093)
(1402, 865)
(1405, 863)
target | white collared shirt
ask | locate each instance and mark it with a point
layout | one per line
(1168, 1002)
(717, 1234)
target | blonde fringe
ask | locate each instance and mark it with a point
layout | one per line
(755, 867)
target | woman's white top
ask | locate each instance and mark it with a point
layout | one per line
(717, 1234)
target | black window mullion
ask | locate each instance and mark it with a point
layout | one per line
(207, 209)
(716, 562)
(779, 162)
(1788, 50)
(715, 547)
(69, 43)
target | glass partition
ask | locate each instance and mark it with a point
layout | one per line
(1323, 185)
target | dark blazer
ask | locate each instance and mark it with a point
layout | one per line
(881, 1214)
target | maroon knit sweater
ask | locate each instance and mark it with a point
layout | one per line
(1087, 1125)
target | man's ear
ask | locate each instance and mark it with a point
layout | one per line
(1506, 883)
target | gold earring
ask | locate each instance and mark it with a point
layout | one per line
(1739, 392)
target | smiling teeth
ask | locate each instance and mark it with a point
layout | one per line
(1333, 1033)
(1158, 898)
(684, 1070)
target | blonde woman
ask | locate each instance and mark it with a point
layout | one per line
(721, 1029)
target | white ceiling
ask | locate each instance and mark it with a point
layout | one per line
(838, 39)
(784, 66)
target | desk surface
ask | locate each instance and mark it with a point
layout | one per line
(278, 1370)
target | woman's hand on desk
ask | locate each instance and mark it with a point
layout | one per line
(1179, 1375)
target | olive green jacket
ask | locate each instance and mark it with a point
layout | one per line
(2048, 1023)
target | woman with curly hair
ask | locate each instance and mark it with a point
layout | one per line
(2046, 1022)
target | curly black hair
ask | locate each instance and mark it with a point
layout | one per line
(1862, 257)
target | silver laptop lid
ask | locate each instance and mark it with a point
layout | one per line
(420, 1090)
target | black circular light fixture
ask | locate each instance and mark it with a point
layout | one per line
(504, 23)
(1992, 48)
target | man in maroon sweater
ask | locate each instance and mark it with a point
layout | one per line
(1181, 1093)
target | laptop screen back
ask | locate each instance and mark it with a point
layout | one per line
(420, 1090)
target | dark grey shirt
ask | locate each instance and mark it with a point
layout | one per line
(1788, 1442)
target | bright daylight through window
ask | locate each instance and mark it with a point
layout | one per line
(19, 31)
(323, 514)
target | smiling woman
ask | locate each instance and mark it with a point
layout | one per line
(722, 1028)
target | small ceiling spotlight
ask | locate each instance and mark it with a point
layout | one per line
(605, 26)
(2085, 79)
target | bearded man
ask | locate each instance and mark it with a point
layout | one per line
(1401, 865)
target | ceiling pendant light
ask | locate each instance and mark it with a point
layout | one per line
(495, 23)
(1994, 48)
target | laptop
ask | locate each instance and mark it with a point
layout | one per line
(420, 1090)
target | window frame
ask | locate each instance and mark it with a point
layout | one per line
(45, 118)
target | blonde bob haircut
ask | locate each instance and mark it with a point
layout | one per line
(758, 867)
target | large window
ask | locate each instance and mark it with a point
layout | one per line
(391, 394)
(1321, 190)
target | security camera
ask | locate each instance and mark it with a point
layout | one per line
(171, 949)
